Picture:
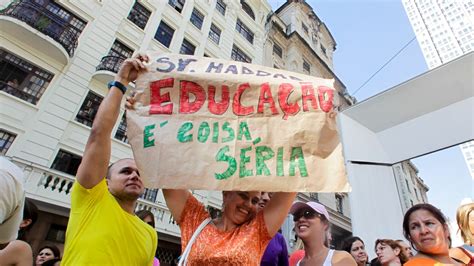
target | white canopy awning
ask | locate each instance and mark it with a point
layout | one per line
(427, 113)
(430, 112)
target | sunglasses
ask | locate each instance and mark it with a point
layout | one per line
(307, 214)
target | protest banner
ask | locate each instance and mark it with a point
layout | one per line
(206, 123)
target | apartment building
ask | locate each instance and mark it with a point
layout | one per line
(445, 31)
(297, 40)
(411, 188)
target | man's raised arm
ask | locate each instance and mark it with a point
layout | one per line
(95, 161)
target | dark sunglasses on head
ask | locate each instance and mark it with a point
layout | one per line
(307, 214)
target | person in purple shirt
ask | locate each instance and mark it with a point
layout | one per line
(276, 253)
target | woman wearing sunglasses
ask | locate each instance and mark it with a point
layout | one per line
(312, 226)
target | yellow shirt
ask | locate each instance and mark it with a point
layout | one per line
(100, 232)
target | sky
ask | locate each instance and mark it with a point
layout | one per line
(368, 34)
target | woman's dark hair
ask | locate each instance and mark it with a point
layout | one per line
(437, 214)
(30, 211)
(51, 262)
(53, 248)
(347, 243)
(142, 214)
(393, 244)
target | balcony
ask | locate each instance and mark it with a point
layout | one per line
(107, 68)
(110, 63)
(38, 20)
(54, 187)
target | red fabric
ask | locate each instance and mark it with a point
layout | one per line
(296, 256)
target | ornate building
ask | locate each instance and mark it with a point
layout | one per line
(411, 188)
(297, 40)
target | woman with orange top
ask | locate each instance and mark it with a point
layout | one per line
(425, 227)
(239, 237)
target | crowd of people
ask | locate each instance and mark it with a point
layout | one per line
(104, 230)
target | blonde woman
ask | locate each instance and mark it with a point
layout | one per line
(465, 219)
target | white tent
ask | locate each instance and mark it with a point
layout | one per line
(428, 113)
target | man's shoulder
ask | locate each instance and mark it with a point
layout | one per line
(18, 245)
(83, 198)
(15, 252)
(79, 190)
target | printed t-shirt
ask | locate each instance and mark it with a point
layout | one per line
(100, 232)
(422, 262)
(244, 245)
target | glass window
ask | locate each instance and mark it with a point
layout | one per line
(247, 9)
(150, 194)
(244, 31)
(56, 233)
(164, 34)
(339, 204)
(117, 54)
(239, 55)
(215, 33)
(221, 7)
(197, 18)
(22, 79)
(89, 109)
(139, 15)
(305, 28)
(121, 133)
(6, 140)
(187, 48)
(323, 49)
(178, 5)
(120, 50)
(306, 66)
(66, 162)
(277, 50)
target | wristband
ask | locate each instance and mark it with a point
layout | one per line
(118, 85)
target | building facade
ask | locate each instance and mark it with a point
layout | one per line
(297, 40)
(57, 57)
(411, 188)
(444, 30)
